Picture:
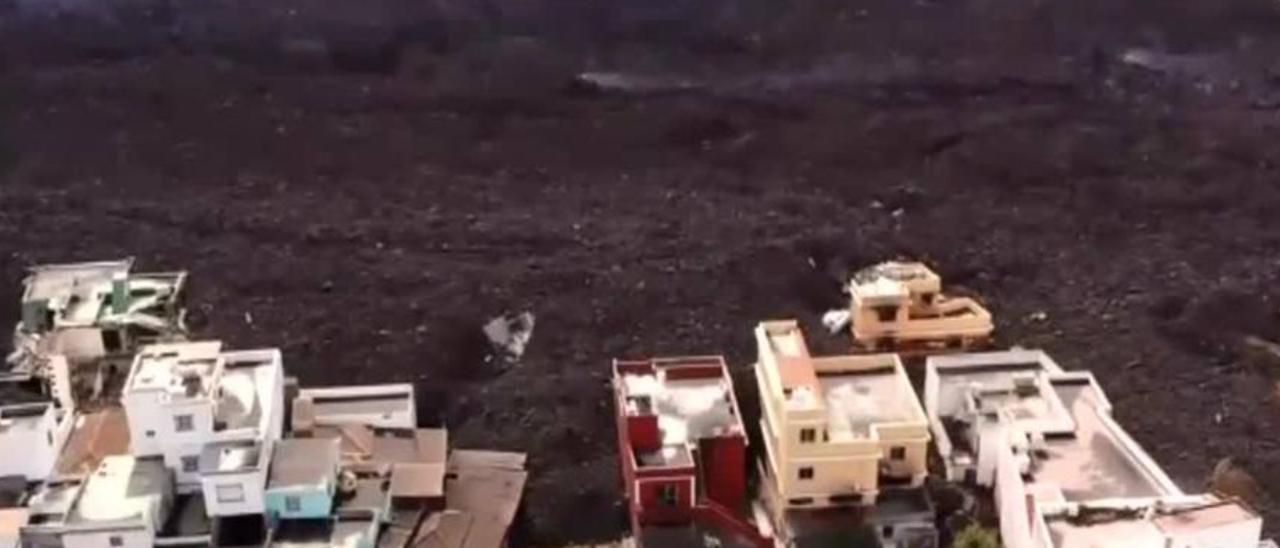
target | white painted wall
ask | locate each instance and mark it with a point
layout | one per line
(143, 411)
(1232, 535)
(1011, 499)
(130, 538)
(79, 344)
(252, 484)
(32, 444)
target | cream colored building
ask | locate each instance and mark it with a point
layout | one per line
(838, 428)
(901, 304)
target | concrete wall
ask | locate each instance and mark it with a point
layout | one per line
(32, 448)
(129, 538)
(313, 502)
(1230, 535)
(79, 344)
(1013, 502)
(142, 409)
(252, 484)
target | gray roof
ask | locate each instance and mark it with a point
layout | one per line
(303, 462)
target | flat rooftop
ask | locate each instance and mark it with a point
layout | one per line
(303, 462)
(1104, 526)
(232, 457)
(60, 280)
(692, 399)
(25, 418)
(21, 392)
(122, 488)
(385, 405)
(1092, 464)
(1085, 455)
(858, 397)
(181, 370)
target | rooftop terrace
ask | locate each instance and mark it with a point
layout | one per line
(692, 398)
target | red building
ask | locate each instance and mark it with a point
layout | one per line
(682, 446)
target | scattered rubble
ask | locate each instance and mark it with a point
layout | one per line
(836, 320)
(509, 336)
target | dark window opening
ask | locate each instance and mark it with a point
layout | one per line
(898, 453)
(806, 473)
(887, 313)
(668, 495)
(807, 435)
(111, 340)
(115, 541)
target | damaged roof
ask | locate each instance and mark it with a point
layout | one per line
(483, 492)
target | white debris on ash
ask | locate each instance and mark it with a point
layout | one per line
(509, 336)
(836, 320)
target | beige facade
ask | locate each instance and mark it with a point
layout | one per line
(835, 428)
(901, 304)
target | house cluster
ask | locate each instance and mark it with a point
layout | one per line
(117, 431)
(846, 442)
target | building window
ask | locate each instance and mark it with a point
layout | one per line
(115, 541)
(230, 493)
(886, 532)
(49, 436)
(887, 314)
(190, 463)
(806, 473)
(151, 433)
(293, 504)
(897, 453)
(668, 495)
(111, 341)
(183, 423)
(807, 435)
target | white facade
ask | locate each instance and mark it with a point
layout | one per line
(375, 406)
(181, 397)
(233, 477)
(31, 437)
(1064, 473)
(126, 537)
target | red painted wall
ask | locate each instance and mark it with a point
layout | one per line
(643, 433)
(723, 461)
(655, 511)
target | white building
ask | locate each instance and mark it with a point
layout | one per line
(33, 430)
(375, 406)
(180, 397)
(1064, 473)
(233, 476)
(121, 505)
(87, 311)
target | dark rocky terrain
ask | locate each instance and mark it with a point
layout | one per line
(364, 183)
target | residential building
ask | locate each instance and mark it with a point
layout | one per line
(303, 479)
(233, 476)
(836, 429)
(415, 459)
(901, 305)
(13, 509)
(35, 423)
(483, 490)
(1064, 473)
(179, 397)
(375, 406)
(88, 311)
(123, 504)
(681, 444)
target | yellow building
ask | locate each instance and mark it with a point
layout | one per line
(901, 305)
(835, 428)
